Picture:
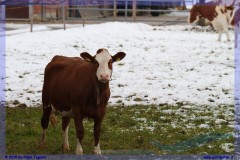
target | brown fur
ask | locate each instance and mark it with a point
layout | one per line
(203, 10)
(72, 82)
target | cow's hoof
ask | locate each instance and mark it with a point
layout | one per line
(97, 152)
(66, 148)
(42, 146)
(79, 152)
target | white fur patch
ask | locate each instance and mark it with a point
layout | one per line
(97, 149)
(68, 114)
(79, 150)
(65, 140)
(220, 23)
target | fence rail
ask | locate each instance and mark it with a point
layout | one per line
(130, 11)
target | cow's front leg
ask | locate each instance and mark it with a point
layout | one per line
(79, 131)
(227, 33)
(219, 36)
(97, 131)
(228, 37)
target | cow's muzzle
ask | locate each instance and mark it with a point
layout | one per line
(104, 78)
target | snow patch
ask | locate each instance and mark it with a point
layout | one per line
(203, 126)
(227, 147)
(164, 65)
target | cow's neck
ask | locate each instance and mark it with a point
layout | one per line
(100, 89)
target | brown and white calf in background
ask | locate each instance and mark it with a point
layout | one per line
(78, 88)
(219, 16)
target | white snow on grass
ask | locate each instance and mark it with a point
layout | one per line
(203, 126)
(169, 64)
(227, 147)
(220, 121)
(24, 30)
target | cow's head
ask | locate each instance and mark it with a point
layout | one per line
(194, 14)
(103, 61)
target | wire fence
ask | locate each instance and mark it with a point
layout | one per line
(75, 11)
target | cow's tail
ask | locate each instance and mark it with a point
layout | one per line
(233, 3)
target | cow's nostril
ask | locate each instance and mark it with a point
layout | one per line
(104, 75)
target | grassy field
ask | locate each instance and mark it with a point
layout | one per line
(130, 130)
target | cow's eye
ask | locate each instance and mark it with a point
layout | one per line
(96, 63)
(110, 64)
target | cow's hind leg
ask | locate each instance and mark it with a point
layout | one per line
(97, 131)
(227, 33)
(44, 122)
(65, 125)
(224, 27)
(228, 37)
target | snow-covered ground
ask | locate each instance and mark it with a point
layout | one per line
(167, 64)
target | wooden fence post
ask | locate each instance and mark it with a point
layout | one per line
(114, 10)
(85, 15)
(126, 9)
(64, 17)
(31, 11)
(134, 7)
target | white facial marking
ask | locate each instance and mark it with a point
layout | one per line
(79, 150)
(97, 149)
(103, 71)
(65, 140)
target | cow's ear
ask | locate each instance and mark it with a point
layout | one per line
(118, 57)
(87, 57)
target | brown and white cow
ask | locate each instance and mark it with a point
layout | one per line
(235, 21)
(219, 16)
(78, 88)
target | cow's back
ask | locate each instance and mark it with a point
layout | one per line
(64, 76)
(57, 65)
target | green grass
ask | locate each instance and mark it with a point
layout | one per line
(125, 130)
